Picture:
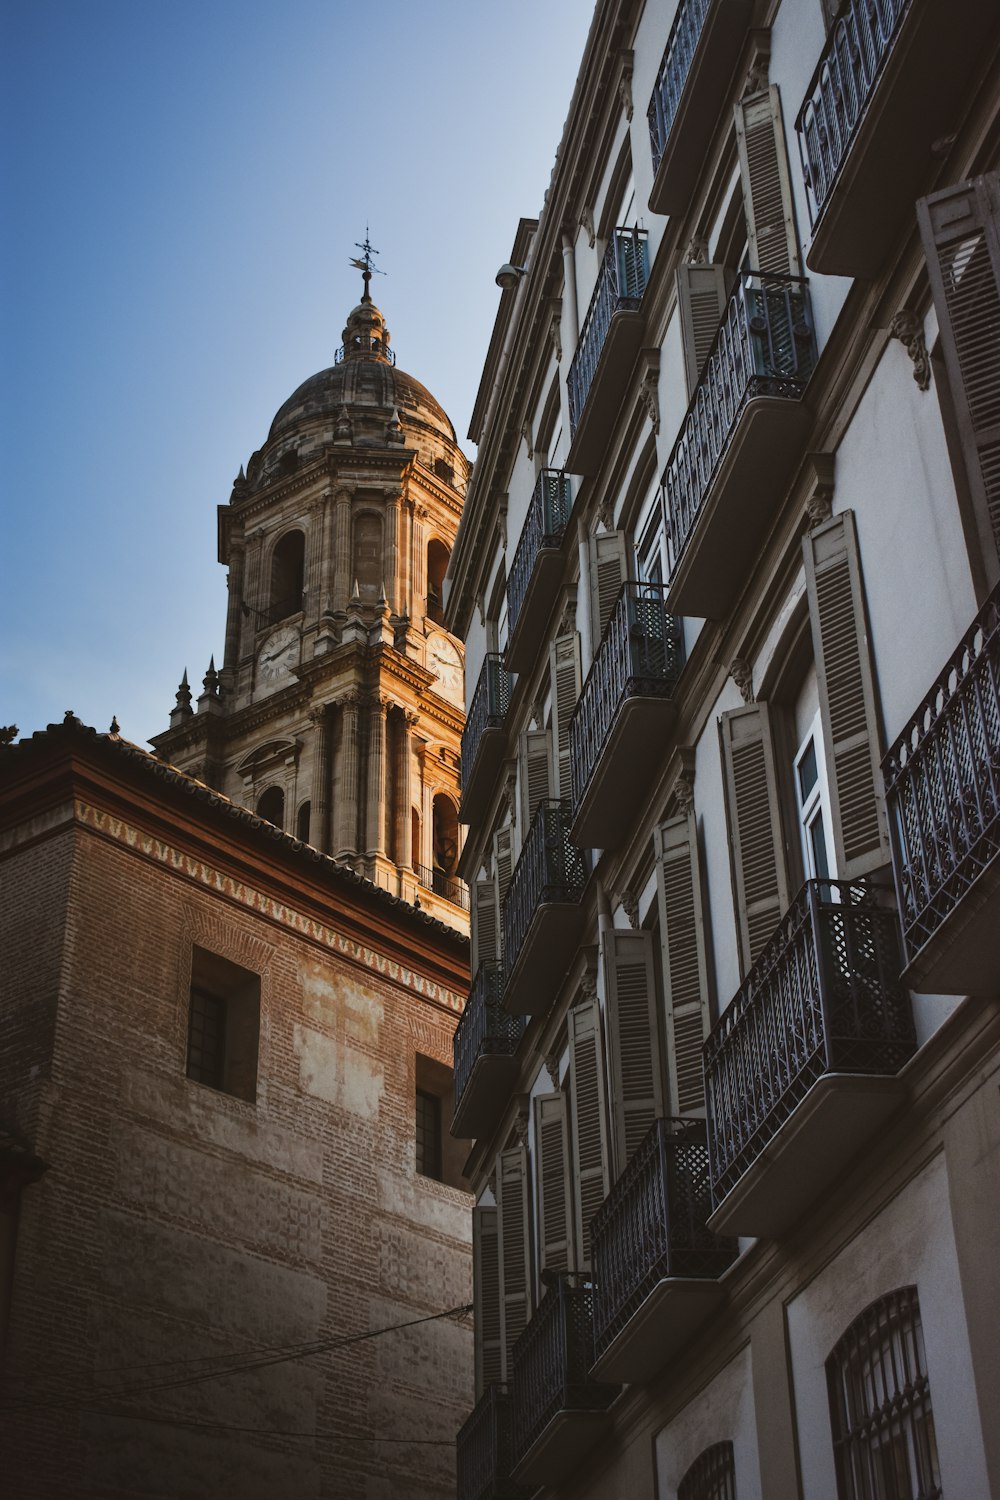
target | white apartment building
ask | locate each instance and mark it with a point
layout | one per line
(727, 574)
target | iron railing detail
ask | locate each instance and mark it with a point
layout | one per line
(551, 868)
(682, 44)
(652, 1225)
(552, 1360)
(640, 655)
(841, 89)
(544, 527)
(823, 997)
(485, 1028)
(282, 609)
(365, 343)
(942, 781)
(488, 710)
(449, 886)
(765, 346)
(483, 1450)
(621, 282)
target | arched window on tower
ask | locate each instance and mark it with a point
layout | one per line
(287, 576)
(414, 837)
(302, 822)
(445, 827)
(271, 806)
(437, 566)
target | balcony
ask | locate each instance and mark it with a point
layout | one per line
(560, 1412)
(448, 887)
(690, 94)
(656, 1264)
(618, 731)
(609, 342)
(485, 1047)
(484, 737)
(483, 1450)
(536, 571)
(541, 915)
(893, 78)
(942, 779)
(801, 1068)
(739, 442)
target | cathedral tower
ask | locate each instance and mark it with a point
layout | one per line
(338, 708)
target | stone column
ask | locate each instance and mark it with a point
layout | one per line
(404, 604)
(390, 550)
(234, 614)
(404, 818)
(320, 798)
(313, 574)
(346, 830)
(253, 593)
(419, 561)
(342, 559)
(327, 562)
(376, 799)
(426, 813)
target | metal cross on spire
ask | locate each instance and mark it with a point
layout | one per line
(366, 265)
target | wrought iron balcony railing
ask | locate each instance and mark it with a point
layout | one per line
(551, 868)
(621, 282)
(449, 886)
(765, 346)
(543, 528)
(282, 609)
(823, 997)
(365, 344)
(552, 1360)
(485, 1028)
(483, 1450)
(640, 655)
(651, 1226)
(838, 94)
(942, 780)
(682, 44)
(488, 710)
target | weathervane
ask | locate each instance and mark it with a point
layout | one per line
(366, 266)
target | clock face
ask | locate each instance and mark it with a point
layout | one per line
(443, 658)
(279, 653)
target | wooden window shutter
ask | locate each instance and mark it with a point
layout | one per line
(847, 696)
(701, 299)
(534, 774)
(555, 1190)
(960, 228)
(503, 863)
(564, 669)
(760, 875)
(590, 1121)
(515, 1249)
(486, 1296)
(685, 965)
(485, 927)
(772, 243)
(633, 1039)
(608, 571)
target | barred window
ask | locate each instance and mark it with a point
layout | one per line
(880, 1405)
(223, 1025)
(712, 1476)
(428, 1135)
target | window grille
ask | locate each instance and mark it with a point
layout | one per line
(880, 1405)
(206, 1039)
(428, 1135)
(712, 1476)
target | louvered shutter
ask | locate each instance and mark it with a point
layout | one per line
(847, 696)
(503, 863)
(756, 840)
(485, 927)
(772, 243)
(608, 569)
(555, 1195)
(515, 1248)
(486, 1296)
(590, 1122)
(534, 773)
(564, 669)
(701, 298)
(633, 1040)
(685, 967)
(960, 228)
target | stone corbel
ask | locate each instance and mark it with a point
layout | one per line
(820, 469)
(696, 253)
(588, 978)
(649, 386)
(741, 672)
(526, 435)
(908, 327)
(552, 1068)
(501, 523)
(587, 225)
(567, 620)
(519, 1124)
(629, 903)
(555, 329)
(510, 795)
(626, 60)
(606, 512)
(758, 64)
(680, 779)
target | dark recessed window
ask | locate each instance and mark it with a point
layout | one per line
(438, 1155)
(223, 1025)
(712, 1476)
(428, 1135)
(206, 1038)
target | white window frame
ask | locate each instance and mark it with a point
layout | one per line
(815, 804)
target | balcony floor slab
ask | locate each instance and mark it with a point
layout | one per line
(963, 957)
(839, 1113)
(528, 635)
(620, 780)
(674, 1309)
(489, 1087)
(546, 953)
(560, 1446)
(600, 410)
(476, 794)
(735, 514)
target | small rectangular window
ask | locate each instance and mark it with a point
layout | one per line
(223, 1025)
(428, 1135)
(437, 1155)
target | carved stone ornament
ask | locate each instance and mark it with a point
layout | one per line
(606, 512)
(649, 387)
(552, 1068)
(501, 523)
(538, 712)
(741, 672)
(908, 327)
(629, 903)
(510, 796)
(521, 1127)
(759, 65)
(696, 253)
(684, 792)
(317, 715)
(588, 987)
(587, 225)
(528, 440)
(819, 502)
(567, 620)
(625, 84)
(491, 1182)
(555, 331)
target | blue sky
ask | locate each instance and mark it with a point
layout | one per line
(182, 186)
